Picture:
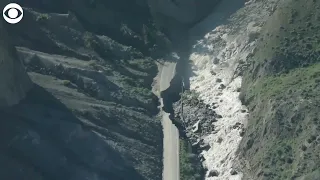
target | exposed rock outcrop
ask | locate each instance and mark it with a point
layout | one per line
(268, 51)
(91, 113)
(87, 110)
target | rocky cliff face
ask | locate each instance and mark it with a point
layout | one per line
(91, 113)
(257, 70)
(14, 79)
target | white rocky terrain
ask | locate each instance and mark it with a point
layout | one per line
(216, 60)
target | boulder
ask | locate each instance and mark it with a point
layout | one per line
(213, 173)
(233, 172)
(204, 146)
(222, 86)
(216, 61)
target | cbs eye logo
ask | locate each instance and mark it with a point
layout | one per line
(12, 13)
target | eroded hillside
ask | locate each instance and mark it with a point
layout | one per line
(281, 89)
(91, 113)
(253, 109)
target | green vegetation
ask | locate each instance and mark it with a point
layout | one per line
(190, 94)
(66, 82)
(142, 64)
(141, 91)
(282, 91)
(129, 81)
(192, 97)
(89, 40)
(41, 18)
(190, 167)
(96, 66)
(303, 80)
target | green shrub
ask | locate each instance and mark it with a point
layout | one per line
(190, 95)
(89, 40)
(140, 91)
(190, 167)
(143, 64)
(94, 64)
(128, 81)
(66, 82)
(42, 18)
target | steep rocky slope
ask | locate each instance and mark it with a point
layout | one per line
(91, 113)
(251, 112)
(253, 107)
(217, 60)
(281, 89)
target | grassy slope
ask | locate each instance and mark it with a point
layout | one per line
(282, 91)
(190, 168)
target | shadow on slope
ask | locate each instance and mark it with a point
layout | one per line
(44, 139)
(186, 38)
(220, 15)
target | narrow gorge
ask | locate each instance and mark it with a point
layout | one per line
(86, 87)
